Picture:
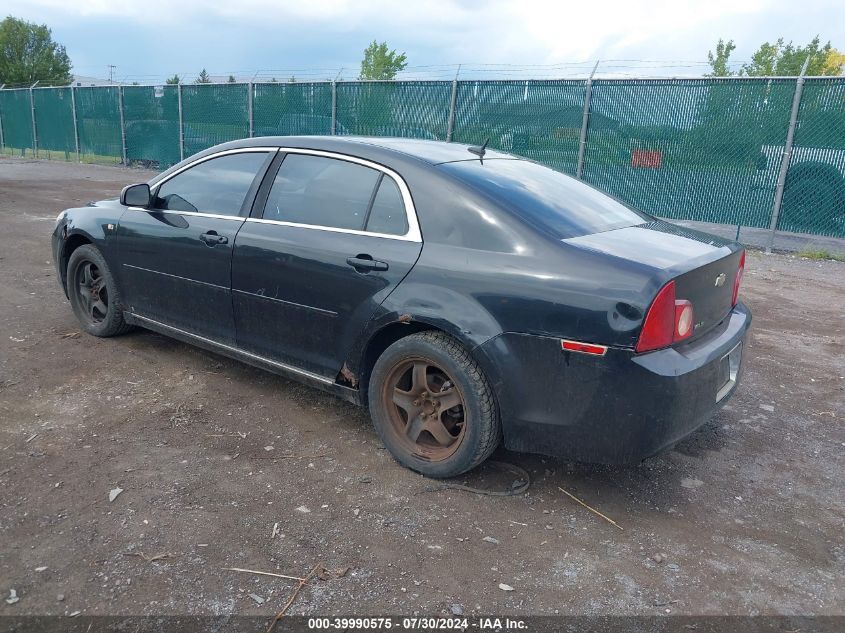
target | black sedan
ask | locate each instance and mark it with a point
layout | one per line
(465, 296)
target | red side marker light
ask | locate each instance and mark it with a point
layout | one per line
(738, 278)
(583, 348)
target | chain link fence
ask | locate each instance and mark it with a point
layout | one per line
(54, 122)
(711, 150)
(814, 192)
(411, 109)
(151, 119)
(212, 114)
(693, 150)
(16, 121)
(98, 123)
(540, 120)
(289, 109)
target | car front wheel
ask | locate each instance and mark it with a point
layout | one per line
(432, 405)
(93, 293)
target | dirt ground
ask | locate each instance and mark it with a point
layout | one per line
(749, 512)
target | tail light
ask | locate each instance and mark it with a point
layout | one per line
(668, 321)
(738, 278)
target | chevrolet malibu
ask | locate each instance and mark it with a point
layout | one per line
(466, 296)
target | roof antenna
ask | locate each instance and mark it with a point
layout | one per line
(479, 150)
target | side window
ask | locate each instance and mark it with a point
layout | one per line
(321, 191)
(388, 213)
(218, 185)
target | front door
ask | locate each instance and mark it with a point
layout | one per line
(176, 257)
(335, 238)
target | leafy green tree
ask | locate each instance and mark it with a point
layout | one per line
(381, 63)
(203, 78)
(835, 64)
(719, 60)
(779, 59)
(174, 80)
(29, 54)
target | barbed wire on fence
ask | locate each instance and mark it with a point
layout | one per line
(502, 70)
(709, 149)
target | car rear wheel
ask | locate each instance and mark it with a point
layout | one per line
(93, 293)
(432, 405)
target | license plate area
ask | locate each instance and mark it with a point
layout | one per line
(728, 371)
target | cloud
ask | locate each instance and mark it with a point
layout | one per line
(143, 37)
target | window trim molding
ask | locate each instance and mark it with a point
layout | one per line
(413, 234)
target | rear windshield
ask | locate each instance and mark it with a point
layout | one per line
(545, 197)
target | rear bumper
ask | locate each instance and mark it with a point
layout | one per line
(619, 408)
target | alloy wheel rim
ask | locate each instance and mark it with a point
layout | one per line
(426, 409)
(92, 292)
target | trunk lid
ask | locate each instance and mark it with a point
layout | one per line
(703, 266)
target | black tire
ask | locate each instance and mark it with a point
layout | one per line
(474, 424)
(93, 293)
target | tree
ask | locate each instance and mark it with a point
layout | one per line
(29, 54)
(174, 80)
(719, 61)
(231, 79)
(779, 59)
(835, 63)
(203, 78)
(381, 63)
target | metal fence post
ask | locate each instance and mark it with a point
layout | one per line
(181, 126)
(2, 140)
(250, 106)
(34, 128)
(334, 108)
(585, 121)
(787, 155)
(75, 123)
(450, 129)
(122, 125)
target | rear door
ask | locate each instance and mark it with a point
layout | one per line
(333, 237)
(176, 256)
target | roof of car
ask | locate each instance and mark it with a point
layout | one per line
(433, 152)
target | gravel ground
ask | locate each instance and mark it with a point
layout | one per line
(744, 517)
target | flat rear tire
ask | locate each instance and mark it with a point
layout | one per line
(432, 406)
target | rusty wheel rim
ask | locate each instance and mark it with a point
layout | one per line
(426, 409)
(92, 292)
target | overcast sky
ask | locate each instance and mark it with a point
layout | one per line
(315, 39)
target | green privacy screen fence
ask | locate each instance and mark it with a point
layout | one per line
(151, 119)
(715, 150)
(538, 119)
(690, 149)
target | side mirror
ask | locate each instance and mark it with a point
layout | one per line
(136, 196)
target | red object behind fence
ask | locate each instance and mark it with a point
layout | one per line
(647, 158)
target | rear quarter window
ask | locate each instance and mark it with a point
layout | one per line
(546, 198)
(387, 214)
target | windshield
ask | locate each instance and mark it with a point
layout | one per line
(545, 197)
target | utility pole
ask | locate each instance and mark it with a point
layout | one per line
(111, 68)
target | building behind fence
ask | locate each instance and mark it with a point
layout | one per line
(711, 150)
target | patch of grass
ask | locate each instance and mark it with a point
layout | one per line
(822, 254)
